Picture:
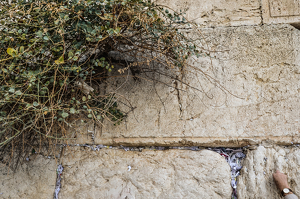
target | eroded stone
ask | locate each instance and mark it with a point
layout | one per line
(216, 13)
(257, 97)
(281, 11)
(152, 174)
(256, 180)
(34, 179)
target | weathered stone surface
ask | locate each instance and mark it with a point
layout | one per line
(34, 179)
(153, 174)
(258, 67)
(256, 180)
(261, 69)
(216, 13)
(281, 11)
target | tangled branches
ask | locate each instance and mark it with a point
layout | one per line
(54, 52)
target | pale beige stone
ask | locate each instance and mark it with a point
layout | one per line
(153, 174)
(259, 67)
(256, 180)
(281, 11)
(34, 179)
(216, 13)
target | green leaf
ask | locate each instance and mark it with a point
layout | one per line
(18, 93)
(72, 110)
(64, 114)
(21, 49)
(84, 98)
(11, 90)
(60, 60)
(39, 34)
(35, 104)
(46, 38)
(70, 54)
(90, 116)
(11, 51)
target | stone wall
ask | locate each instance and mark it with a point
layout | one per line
(256, 64)
(257, 97)
(113, 173)
(279, 11)
(256, 179)
(254, 55)
(216, 13)
(34, 179)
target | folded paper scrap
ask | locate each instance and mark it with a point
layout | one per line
(97, 147)
(233, 157)
(58, 184)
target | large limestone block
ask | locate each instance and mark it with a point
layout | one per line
(34, 179)
(281, 11)
(258, 92)
(259, 68)
(256, 180)
(153, 174)
(216, 13)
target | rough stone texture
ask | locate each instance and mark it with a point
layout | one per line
(216, 13)
(256, 179)
(281, 11)
(154, 174)
(259, 67)
(34, 179)
(256, 100)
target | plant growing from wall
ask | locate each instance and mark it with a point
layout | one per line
(54, 52)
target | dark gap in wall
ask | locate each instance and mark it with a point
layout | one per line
(296, 25)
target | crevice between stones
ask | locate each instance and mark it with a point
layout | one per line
(233, 156)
